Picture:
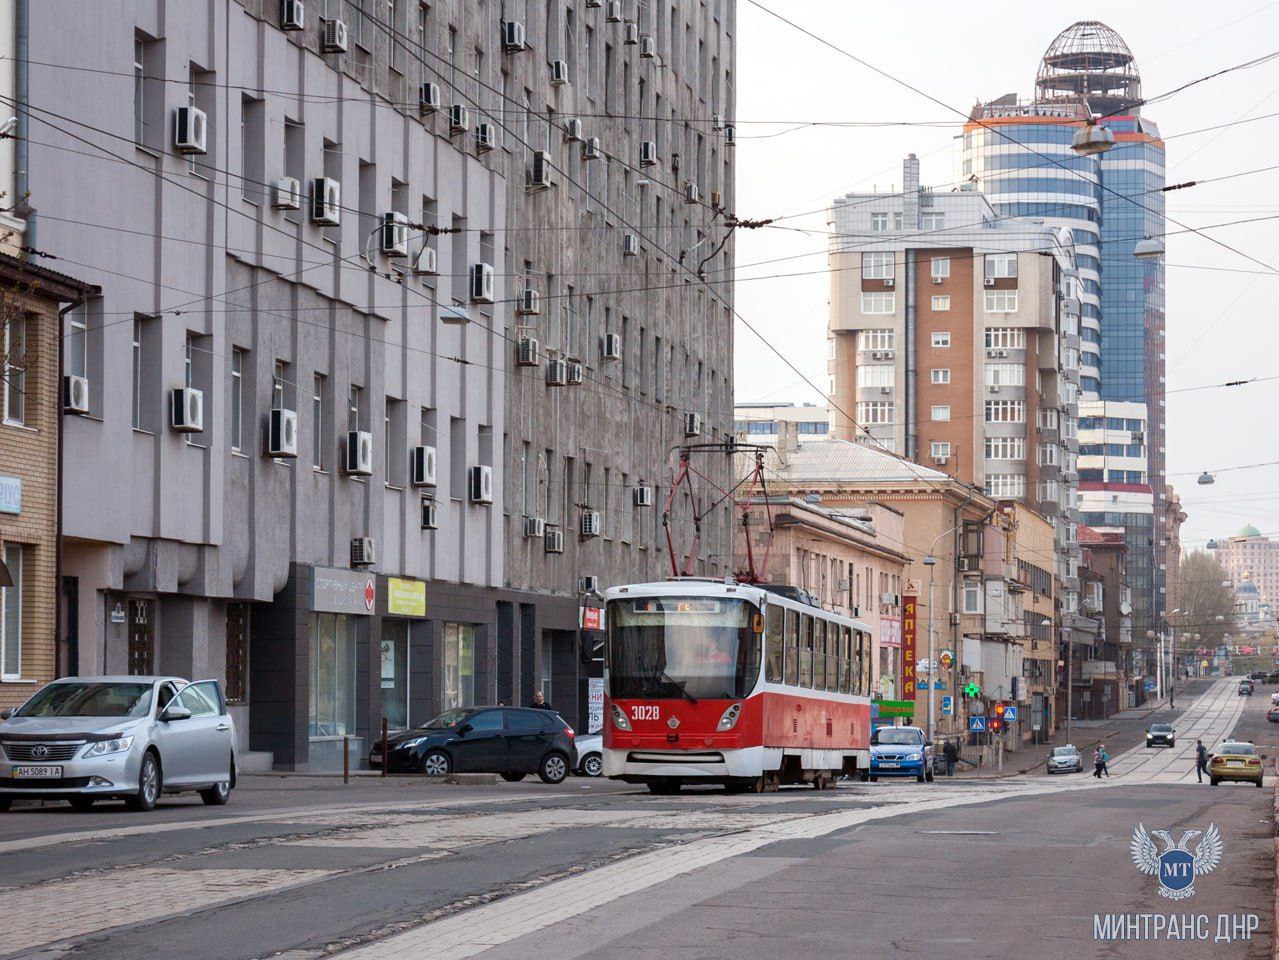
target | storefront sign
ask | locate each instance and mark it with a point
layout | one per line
(908, 647)
(10, 495)
(595, 704)
(406, 598)
(342, 591)
(897, 708)
(591, 618)
(117, 612)
(890, 631)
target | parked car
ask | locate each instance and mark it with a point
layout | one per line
(1065, 759)
(1272, 677)
(1274, 699)
(1161, 735)
(84, 739)
(588, 755)
(1273, 714)
(901, 752)
(1236, 760)
(512, 741)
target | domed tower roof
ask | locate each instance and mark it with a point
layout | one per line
(1249, 531)
(1089, 59)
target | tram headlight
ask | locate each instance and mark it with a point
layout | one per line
(619, 718)
(729, 720)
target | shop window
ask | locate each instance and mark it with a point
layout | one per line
(332, 692)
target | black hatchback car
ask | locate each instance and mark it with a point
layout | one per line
(511, 741)
(1161, 735)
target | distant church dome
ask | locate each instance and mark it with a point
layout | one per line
(1091, 60)
(1249, 531)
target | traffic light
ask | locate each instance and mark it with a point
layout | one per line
(995, 725)
(999, 713)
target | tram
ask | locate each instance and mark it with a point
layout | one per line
(746, 685)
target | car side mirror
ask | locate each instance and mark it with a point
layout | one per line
(464, 729)
(175, 713)
(6, 714)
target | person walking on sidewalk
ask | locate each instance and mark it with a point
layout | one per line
(1201, 760)
(540, 702)
(951, 753)
(1105, 759)
(1096, 763)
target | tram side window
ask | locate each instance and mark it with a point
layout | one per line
(792, 647)
(805, 650)
(775, 630)
(855, 662)
(863, 671)
(819, 654)
(843, 661)
(850, 638)
(832, 656)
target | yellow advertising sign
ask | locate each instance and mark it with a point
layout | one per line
(406, 598)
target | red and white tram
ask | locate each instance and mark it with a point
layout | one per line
(711, 681)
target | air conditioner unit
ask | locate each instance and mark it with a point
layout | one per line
(648, 48)
(941, 461)
(187, 413)
(572, 130)
(642, 496)
(75, 394)
(428, 515)
(967, 564)
(937, 280)
(990, 281)
(529, 352)
(717, 122)
(287, 194)
(593, 4)
(326, 202)
(359, 454)
(282, 434)
(630, 245)
(1001, 353)
(612, 347)
(888, 354)
(630, 34)
(429, 98)
(588, 584)
(877, 354)
(885, 389)
(889, 282)
(529, 303)
(513, 36)
(887, 599)
(690, 192)
(481, 484)
(648, 153)
(427, 261)
(482, 283)
(590, 525)
(614, 14)
(991, 354)
(395, 234)
(539, 174)
(422, 462)
(557, 372)
(191, 130)
(362, 554)
(993, 388)
(575, 373)
(534, 528)
(692, 424)
(459, 119)
(485, 137)
(591, 148)
(292, 15)
(559, 71)
(333, 39)
(554, 541)
(730, 136)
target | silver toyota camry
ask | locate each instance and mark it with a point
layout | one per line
(84, 739)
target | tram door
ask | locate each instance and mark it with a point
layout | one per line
(141, 638)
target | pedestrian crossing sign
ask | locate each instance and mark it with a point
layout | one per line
(1010, 713)
(976, 724)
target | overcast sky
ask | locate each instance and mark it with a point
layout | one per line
(1222, 323)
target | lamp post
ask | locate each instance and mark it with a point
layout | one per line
(930, 561)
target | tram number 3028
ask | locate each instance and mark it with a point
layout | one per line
(645, 711)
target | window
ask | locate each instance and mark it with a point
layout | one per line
(1005, 448)
(1048, 455)
(139, 89)
(11, 615)
(75, 357)
(317, 422)
(805, 650)
(875, 339)
(1001, 265)
(941, 341)
(137, 373)
(148, 92)
(874, 412)
(395, 35)
(1005, 375)
(353, 403)
(15, 369)
(774, 631)
(1005, 485)
(939, 448)
(1005, 411)
(280, 386)
(972, 597)
(879, 302)
(1001, 301)
(932, 221)
(873, 375)
(252, 149)
(459, 666)
(332, 679)
(1005, 338)
(879, 223)
(941, 303)
(420, 42)
(941, 412)
(941, 267)
(237, 399)
(877, 266)
(395, 443)
(941, 374)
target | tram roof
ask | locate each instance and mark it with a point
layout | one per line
(716, 587)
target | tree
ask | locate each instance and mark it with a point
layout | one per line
(1207, 603)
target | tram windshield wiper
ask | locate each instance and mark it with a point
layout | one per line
(678, 686)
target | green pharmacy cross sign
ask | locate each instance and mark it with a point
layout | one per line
(972, 690)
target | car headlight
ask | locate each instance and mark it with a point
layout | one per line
(417, 742)
(619, 718)
(916, 755)
(104, 747)
(729, 720)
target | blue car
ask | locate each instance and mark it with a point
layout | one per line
(901, 752)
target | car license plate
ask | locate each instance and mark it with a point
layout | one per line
(1234, 763)
(887, 765)
(37, 773)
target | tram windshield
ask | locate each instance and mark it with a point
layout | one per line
(693, 647)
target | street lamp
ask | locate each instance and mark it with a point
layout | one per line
(1090, 139)
(930, 561)
(1148, 249)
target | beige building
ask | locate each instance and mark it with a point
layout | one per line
(30, 419)
(1250, 556)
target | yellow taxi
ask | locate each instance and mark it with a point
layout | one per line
(1236, 760)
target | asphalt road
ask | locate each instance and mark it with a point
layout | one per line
(306, 867)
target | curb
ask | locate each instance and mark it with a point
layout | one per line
(1275, 917)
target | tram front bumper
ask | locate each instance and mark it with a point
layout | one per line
(637, 765)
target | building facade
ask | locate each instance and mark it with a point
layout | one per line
(768, 422)
(1249, 556)
(1174, 516)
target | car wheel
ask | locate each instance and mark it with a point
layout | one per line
(149, 783)
(593, 765)
(5, 803)
(218, 794)
(512, 777)
(929, 776)
(553, 768)
(1259, 780)
(919, 778)
(874, 779)
(81, 803)
(437, 763)
(1214, 780)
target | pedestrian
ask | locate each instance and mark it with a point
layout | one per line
(540, 702)
(1105, 759)
(1201, 760)
(951, 753)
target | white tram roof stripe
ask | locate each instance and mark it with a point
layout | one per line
(697, 587)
